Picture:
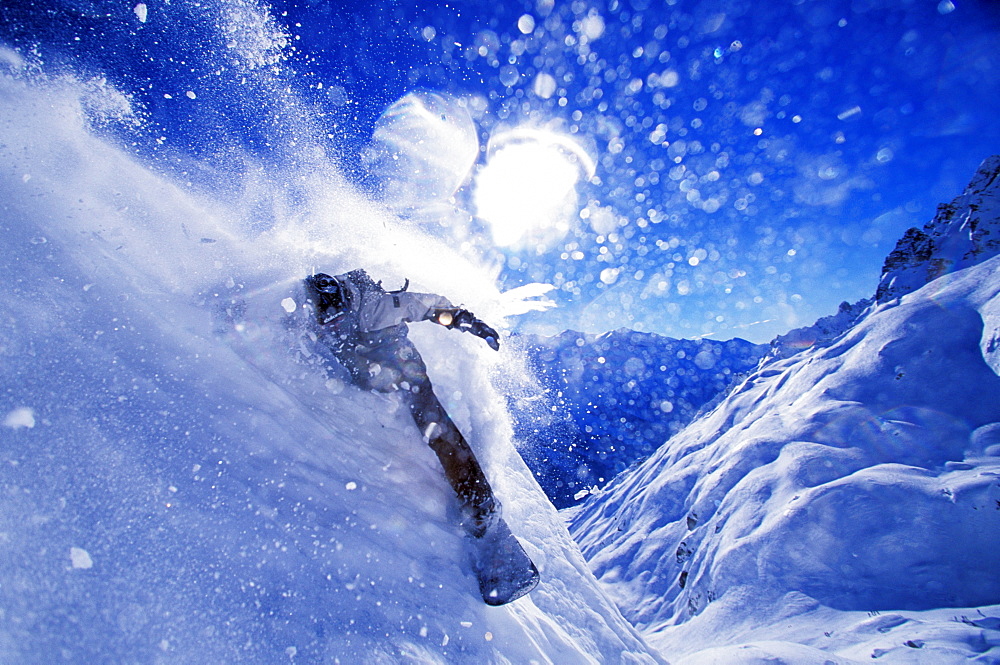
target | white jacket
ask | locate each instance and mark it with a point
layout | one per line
(376, 311)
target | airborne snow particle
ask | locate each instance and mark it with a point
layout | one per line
(669, 78)
(351, 486)
(592, 26)
(141, 11)
(337, 95)
(22, 416)
(509, 75)
(849, 113)
(526, 24)
(544, 85)
(705, 360)
(190, 94)
(288, 304)
(80, 558)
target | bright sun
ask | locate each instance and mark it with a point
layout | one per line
(527, 190)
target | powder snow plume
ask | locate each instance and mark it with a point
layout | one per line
(179, 485)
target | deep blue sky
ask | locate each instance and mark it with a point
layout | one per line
(782, 148)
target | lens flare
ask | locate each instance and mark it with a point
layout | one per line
(423, 149)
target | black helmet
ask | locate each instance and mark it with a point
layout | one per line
(325, 284)
(330, 294)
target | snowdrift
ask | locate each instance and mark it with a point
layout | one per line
(854, 478)
(180, 484)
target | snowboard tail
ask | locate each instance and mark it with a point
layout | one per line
(503, 568)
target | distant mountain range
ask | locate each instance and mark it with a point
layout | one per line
(608, 401)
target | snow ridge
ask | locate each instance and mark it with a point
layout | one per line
(821, 333)
(961, 234)
(832, 506)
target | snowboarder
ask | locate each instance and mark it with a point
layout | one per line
(364, 327)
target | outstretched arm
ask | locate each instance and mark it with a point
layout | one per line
(463, 319)
(394, 308)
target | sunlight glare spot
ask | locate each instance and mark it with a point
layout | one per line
(528, 186)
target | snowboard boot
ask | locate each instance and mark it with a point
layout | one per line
(479, 517)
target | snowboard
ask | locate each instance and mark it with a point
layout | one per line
(503, 568)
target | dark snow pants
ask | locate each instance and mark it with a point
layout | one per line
(388, 362)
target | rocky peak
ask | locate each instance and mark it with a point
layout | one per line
(963, 233)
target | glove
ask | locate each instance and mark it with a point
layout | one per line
(466, 321)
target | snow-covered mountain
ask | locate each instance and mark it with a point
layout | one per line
(609, 400)
(845, 499)
(179, 484)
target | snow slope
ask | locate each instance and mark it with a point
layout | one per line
(181, 484)
(833, 506)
